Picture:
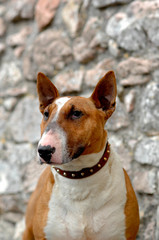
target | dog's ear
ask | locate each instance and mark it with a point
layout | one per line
(104, 94)
(47, 92)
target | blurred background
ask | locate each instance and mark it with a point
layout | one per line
(75, 42)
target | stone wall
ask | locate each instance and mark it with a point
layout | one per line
(75, 42)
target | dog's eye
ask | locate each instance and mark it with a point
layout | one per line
(76, 115)
(46, 115)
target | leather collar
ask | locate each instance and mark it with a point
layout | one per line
(86, 172)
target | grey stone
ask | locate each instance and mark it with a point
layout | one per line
(107, 3)
(2, 27)
(134, 66)
(10, 178)
(94, 74)
(14, 92)
(19, 51)
(147, 151)
(18, 10)
(2, 48)
(74, 15)
(6, 230)
(156, 76)
(13, 202)
(129, 100)
(144, 8)
(10, 103)
(124, 154)
(2, 10)
(31, 176)
(151, 26)
(149, 114)
(157, 181)
(134, 80)
(93, 33)
(19, 229)
(4, 116)
(119, 119)
(92, 41)
(82, 52)
(12, 217)
(150, 230)
(19, 154)
(133, 38)
(19, 38)
(157, 224)
(38, 58)
(145, 181)
(113, 48)
(69, 81)
(10, 75)
(24, 124)
(118, 23)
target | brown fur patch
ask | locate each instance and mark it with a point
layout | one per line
(87, 131)
(37, 210)
(131, 211)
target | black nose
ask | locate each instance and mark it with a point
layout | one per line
(45, 152)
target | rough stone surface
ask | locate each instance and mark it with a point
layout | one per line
(147, 151)
(133, 38)
(10, 181)
(8, 228)
(45, 12)
(19, 10)
(149, 114)
(69, 82)
(129, 101)
(10, 103)
(10, 75)
(157, 224)
(124, 153)
(74, 16)
(93, 75)
(145, 182)
(92, 40)
(14, 92)
(75, 43)
(2, 48)
(118, 23)
(19, 38)
(106, 3)
(119, 119)
(82, 52)
(152, 29)
(39, 58)
(135, 80)
(27, 118)
(134, 66)
(4, 118)
(2, 27)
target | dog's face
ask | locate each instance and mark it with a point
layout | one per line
(73, 126)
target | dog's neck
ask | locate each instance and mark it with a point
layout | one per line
(74, 187)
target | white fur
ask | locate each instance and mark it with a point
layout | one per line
(60, 103)
(91, 208)
(56, 137)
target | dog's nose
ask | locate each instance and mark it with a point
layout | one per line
(45, 152)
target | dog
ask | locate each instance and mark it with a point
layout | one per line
(84, 193)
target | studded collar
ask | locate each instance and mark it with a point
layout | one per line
(86, 172)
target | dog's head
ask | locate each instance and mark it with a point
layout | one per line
(74, 126)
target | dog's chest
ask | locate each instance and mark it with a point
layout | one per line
(84, 212)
